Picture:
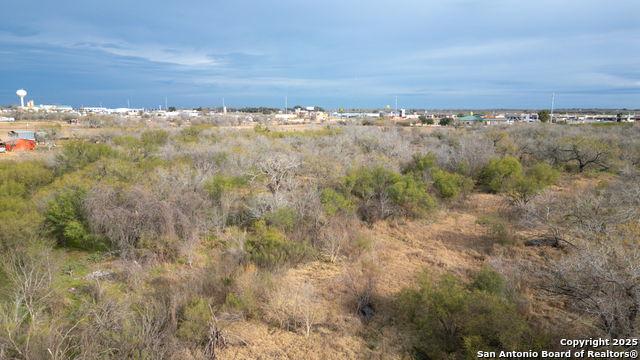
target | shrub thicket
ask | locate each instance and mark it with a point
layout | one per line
(450, 318)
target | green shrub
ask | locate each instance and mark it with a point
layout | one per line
(494, 173)
(451, 320)
(493, 321)
(283, 219)
(543, 174)
(372, 185)
(154, 137)
(68, 223)
(519, 188)
(220, 184)
(76, 155)
(425, 120)
(270, 249)
(193, 132)
(419, 165)
(449, 184)
(194, 324)
(233, 302)
(488, 280)
(24, 178)
(261, 129)
(333, 201)
(20, 221)
(446, 121)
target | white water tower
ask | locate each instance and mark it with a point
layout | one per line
(22, 94)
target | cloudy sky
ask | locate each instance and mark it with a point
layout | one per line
(333, 53)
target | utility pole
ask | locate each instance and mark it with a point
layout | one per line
(285, 105)
(165, 103)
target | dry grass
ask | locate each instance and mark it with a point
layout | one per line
(451, 241)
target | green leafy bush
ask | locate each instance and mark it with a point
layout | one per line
(520, 188)
(270, 249)
(449, 184)
(283, 219)
(20, 221)
(496, 171)
(453, 319)
(76, 155)
(333, 201)
(194, 324)
(377, 185)
(419, 165)
(488, 280)
(220, 184)
(543, 174)
(446, 121)
(68, 223)
(193, 132)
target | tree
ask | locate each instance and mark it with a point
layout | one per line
(446, 121)
(425, 120)
(451, 317)
(587, 150)
(543, 116)
(599, 282)
(50, 134)
(497, 171)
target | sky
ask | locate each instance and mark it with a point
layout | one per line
(445, 54)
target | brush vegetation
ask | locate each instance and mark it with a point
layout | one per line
(202, 241)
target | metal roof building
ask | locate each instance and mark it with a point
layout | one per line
(28, 135)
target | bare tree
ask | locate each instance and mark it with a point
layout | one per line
(361, 279)
(295, 306)
(218, 336)
(600, 282)
(310, 308)
(333, 237)
(279, 172)
(31, 274)
(587, 150)
(50, 133)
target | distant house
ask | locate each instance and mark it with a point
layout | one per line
(470, 119)
(487, 120)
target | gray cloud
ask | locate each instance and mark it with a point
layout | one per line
(433, 53)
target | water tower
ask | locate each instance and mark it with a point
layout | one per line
(22, 94)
